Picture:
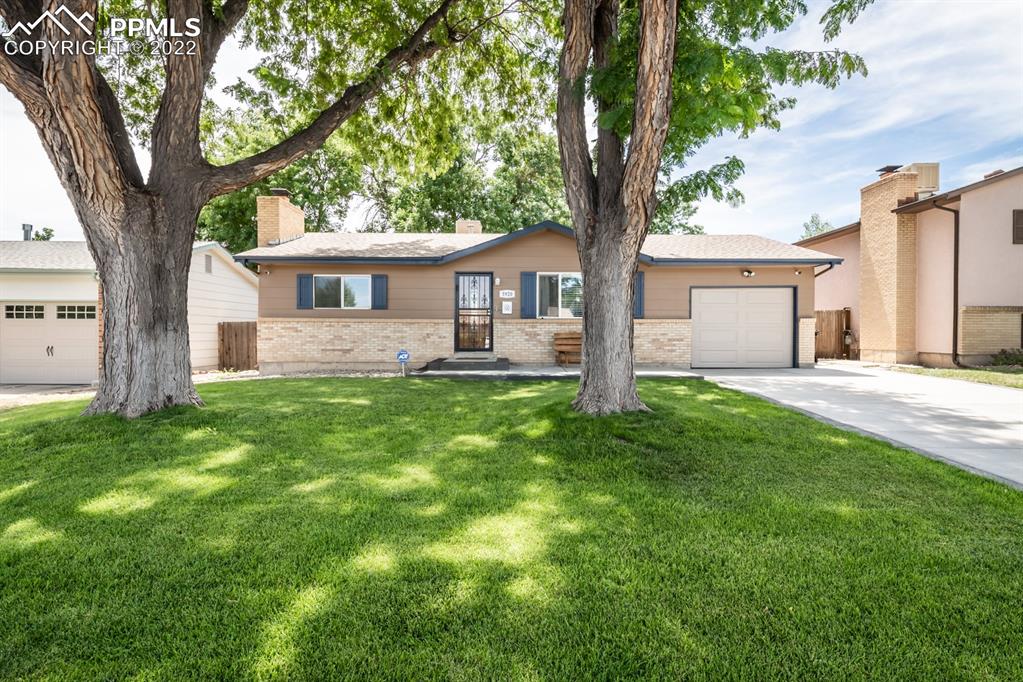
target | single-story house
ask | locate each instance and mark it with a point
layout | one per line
(352, 300)
(930, 277)
(49, 309)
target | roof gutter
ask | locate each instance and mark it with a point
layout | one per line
(955, 281)
(440, 260)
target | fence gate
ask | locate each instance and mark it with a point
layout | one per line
(237, 345)
(830, 338)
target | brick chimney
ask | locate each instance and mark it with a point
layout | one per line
(277, 219)
(888, 267)
(468, 227)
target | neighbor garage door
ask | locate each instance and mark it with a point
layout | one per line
(48, 343)
(747, 327)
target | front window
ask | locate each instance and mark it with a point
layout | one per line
(341, 291)
(559, 294)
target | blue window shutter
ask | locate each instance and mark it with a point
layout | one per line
(637, 297)
(527, 306)
(305, 292)
(379, 292)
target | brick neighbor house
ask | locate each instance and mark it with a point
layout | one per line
(352, 300)
(930, 278)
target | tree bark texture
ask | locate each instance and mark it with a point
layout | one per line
(140, 232)
(612, 201)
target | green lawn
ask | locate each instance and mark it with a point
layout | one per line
(410, 529)
(999, 376)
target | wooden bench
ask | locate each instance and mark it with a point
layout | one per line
(568, 347)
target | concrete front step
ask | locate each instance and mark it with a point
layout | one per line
(469, 364)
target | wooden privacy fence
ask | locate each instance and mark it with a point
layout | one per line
(236, 345)
(830, 338)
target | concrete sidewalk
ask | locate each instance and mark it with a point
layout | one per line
(974, 426)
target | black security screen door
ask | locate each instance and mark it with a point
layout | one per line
(474, 308)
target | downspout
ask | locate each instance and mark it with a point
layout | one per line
(955, 282)
(830, 267)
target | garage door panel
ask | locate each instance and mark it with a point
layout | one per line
(716, 296)
(719, 338)
(742, 327)
(766, 316)
(767, 296)
(720, 358)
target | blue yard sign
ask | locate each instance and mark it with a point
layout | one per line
(403, 356)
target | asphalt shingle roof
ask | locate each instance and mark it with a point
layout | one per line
(389, 245)
(52, 255)
(31, 255)
(749, 247)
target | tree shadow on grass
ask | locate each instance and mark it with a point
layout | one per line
(347, 528)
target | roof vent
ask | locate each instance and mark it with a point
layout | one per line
(888, 170)
(279, 192)
(994, 173)
(26, 232)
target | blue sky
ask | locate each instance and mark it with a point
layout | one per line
(945, 85)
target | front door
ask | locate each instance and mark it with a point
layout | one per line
(474, 311)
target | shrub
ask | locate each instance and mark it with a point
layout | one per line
(1008, 356)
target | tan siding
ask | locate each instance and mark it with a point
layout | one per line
(427, 291)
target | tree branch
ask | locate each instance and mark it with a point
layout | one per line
(175, 136)
(72, 90)
(414, 50)
(216, 29)
(576, 162)
(656, 61)
(610, 148)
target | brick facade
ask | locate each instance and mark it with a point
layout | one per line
(887, 296)
(309, 344)
(807, 341)
(985, 330)
(306, 344)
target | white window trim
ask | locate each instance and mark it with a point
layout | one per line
(537, 303)
(343, 307)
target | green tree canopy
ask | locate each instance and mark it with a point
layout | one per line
(322, 183)
(815, 225)
(507, 181)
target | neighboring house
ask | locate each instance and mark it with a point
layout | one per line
(49, 309)
(352, 300)
(931, 278)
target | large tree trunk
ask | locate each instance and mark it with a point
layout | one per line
(607, 382)
(612, 207)
(143, 267)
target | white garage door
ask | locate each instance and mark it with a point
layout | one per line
(748, 327)
(48, 343)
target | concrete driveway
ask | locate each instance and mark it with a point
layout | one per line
(973, 426)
